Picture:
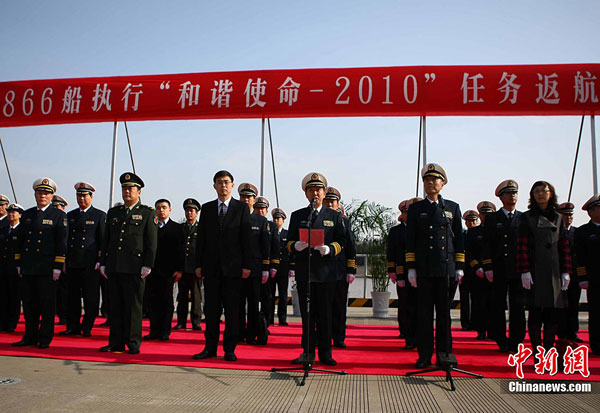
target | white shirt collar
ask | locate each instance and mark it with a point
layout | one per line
(165, 222)
(15, 225)
(85, 210)
(1, 218)
(44, 208)
(219, 202)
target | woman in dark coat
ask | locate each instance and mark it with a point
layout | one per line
(544, 262)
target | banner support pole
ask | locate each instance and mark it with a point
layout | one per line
(112, 168)
(262, 156)
(8, 171)
(594, 156)
(424, 146)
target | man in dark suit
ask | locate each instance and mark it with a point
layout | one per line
(500, 266)
(4, 201)
(189, 285)
(223, 260)
(86, 226)
(280, 263)
(39, 258)
(10, 295)
(435, 258)
(128, 254)
(345, 271)
(316, 320)
(167, 270)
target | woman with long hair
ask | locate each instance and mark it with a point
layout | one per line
(544, 262)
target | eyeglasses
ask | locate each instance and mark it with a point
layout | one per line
(541, 191)
(223, 182)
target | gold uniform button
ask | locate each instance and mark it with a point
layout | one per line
(29, 232)
(73, 231)
(431, 227)
(39, 241)
(83, 239)
(431, 237)
(120, 239)
(187, 255)
(122, 230)
(443, 238)
(431, 247)
(505, 236)
(38, 250)
(505, 245)
(40, 232)
(71, 245)
(119, 248)
(443, 248)
(505, 254)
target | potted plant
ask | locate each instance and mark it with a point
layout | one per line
(371, 223)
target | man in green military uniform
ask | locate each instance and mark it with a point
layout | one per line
(127, 257)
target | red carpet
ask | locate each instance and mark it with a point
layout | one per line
(371, 350)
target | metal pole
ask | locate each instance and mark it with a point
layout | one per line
(419, 157)
(424, 147)
(129, 144)
(576, 156)
(8, 170)
(262, 157)
(273, 162)
(112, 168)
(594, 158)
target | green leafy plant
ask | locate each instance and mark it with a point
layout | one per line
(370, 224)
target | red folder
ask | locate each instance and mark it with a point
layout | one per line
(317, 236)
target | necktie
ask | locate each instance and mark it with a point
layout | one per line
(510, 217)
(222, 215)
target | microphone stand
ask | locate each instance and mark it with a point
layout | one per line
(308, 358)
(446, 361)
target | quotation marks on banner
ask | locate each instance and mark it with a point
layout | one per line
(429, 76)
(165, 85)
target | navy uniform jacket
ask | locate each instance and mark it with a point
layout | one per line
(86, 235)
(131, 239)
(190, 237)
(4, 221)
(43, 246)
(280, 256)
(500, 244)
(9, 244)
(224, 251)
(434, 239)
(169, 246)
(396, 246)
(346, 260)
(474, 248)
(260, 244)
(323, 269)
(587, 253)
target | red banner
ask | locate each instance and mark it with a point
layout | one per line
(567, 89)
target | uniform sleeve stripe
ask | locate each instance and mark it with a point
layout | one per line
(400, 269)
(289, 245)
(487, 261)
(410, 257)
(581, 271)
(17, 256)
(459, 257)
(266, 261)
(275, 261)
(59, 259)
(473, 263)
(391, 263)
(336, 247)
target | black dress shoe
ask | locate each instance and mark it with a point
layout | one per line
(204, 354)
(133, 351)
(503, 348)
(179, 327)
(62, 321)
(328, 360)
(409, 346)
(197, 327)
(105, 324)
(86, 334)
(164, 338)
(23, 343)
(283, 323)
(304, 358)
(481, 336)
(230, 356)
(109, 348)
(69, 333)
(43, 346)
(151, 336)
(251, 341)
(339, 344)
(422, 364)
(577, 339)
(401, 335)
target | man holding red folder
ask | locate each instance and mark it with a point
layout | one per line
(327, 239)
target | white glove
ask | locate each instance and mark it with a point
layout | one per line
(526, 280)
(401, 283)
(273, 271)
(300, 246)
(412, 277)
(291, 274)
(584, 284)
(350, 278)
(19, 271)
(489, 275)
(566, 280)
(97, 266)
(459, 275)
(55, 274)
(103, 271)
(265, 277)
(480, 273)
(145, 272)
(393, 277)
(323, 249)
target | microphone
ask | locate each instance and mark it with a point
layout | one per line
(313, 203)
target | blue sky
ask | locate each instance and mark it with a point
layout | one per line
(365, 158)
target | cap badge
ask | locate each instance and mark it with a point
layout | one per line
(314, 177)
(45, 182)
(81, 185)
(127, 176)
(431, 167)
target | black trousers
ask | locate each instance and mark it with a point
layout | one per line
(82, 283)
(160, 302)
(39, 308)
(569, 327)
(279, 282)
(126, 293)
(340, 302)
(516, 310)
(105, 306)
(593, 296)
(62, 297)
(220, 294)
(482, 307)
(465, 289)
(550, 317)
(433, 293)
(248, 308)
(317, 331)
(189, 286)
(10, 298)
(407, 312)
(266, 300)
